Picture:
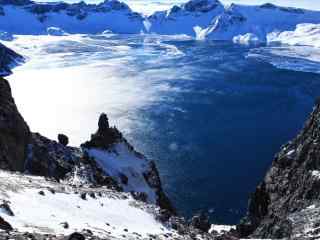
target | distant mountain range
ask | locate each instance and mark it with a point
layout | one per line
(202, 19)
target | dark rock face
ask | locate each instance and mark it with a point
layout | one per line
(76, 236)
(153, 179)
(49, 158)
(63, 139)
(290, 186)
(8, 59)
(6, 209)
(201, 221)
(14, 132)
(103, 123)
(5, 225)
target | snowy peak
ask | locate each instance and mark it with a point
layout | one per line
(200, 5)
(284, 9)
(114, 5)
(28, 17)
(259, 21)
(185, 18)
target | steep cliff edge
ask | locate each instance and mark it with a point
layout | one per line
(15, 133)
(287, 203)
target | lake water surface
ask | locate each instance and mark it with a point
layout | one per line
(211, 114)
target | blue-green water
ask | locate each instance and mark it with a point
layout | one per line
(211, 114)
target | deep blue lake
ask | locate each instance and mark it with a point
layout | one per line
(211, 114)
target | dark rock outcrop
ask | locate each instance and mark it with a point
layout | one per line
(201, 221)
(8, 59)
(49, 158)
(63, 139)
(14, 132)
(4, 225)
(105, 136)
(291, 185)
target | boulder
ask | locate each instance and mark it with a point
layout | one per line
(76, 236)
(63, 139)
(201, 222)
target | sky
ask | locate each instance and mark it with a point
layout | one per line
(149, 6)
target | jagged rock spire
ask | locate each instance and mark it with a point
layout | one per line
(103, 123)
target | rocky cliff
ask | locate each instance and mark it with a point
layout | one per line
(15, 133)
(286, 204)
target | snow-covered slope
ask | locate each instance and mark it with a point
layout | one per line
(185, 18)
(127, 167)
(58, 208)
(259, 21)
(303, 35)
(27, 17)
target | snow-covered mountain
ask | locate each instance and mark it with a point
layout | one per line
(203, 19)
(237, 21)
(304, 35)
(27, 17)
(184, 19)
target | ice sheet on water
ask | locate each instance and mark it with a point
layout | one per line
(297, 58)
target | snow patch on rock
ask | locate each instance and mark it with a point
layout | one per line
(315, 173)
(221, 228)
(121, 161)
